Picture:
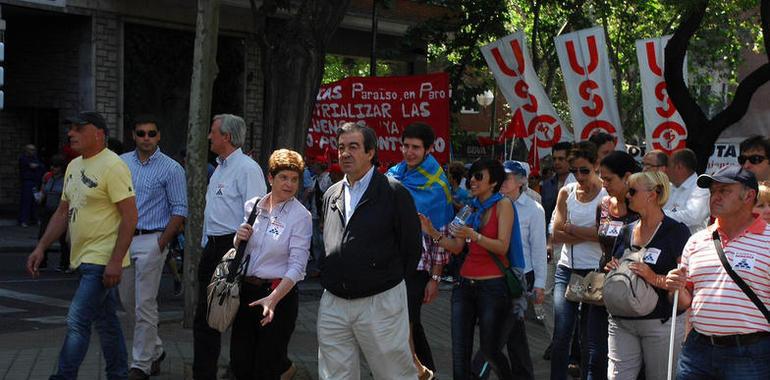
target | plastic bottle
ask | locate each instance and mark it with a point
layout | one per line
(459, 220)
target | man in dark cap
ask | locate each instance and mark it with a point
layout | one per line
(99, 206)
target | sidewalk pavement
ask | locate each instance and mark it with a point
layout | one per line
(33, 354)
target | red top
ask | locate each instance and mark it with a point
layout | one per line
(478, 263)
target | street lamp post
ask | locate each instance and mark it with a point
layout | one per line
(486, 99)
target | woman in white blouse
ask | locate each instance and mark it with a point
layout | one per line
(278, 248)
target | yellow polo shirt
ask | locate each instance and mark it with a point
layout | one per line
(92, 187)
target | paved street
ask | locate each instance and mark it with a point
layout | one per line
(32, 315)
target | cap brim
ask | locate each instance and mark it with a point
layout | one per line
(76, 120)
(705, 180)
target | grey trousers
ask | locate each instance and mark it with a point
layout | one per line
(645, 341)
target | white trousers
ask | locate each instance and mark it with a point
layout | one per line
(377, 325)
(138, 293)
(642, 341)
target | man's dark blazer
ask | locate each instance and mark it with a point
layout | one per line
(381, 243)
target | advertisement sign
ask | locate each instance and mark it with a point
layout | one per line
(586, 68)
(726, 152)
(387, 105)
(663, 126)
(509, 60)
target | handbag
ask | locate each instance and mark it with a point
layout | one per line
(585, 289)
(512, 281)
(224, 291)
(737, 279)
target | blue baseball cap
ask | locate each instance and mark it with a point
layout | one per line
(514, 167)
(729, 174)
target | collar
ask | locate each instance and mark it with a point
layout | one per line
(364, 180)
(232, 155)
(757, 227)
(690, 182)
(149, 159)
(264, 202)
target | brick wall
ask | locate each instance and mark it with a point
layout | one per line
(107, 52)
(253, 100)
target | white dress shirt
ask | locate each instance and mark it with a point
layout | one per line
(689, 204)
(354, 193)
(237, 179)
(280, 242)
(532, 226)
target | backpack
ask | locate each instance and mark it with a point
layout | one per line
(625, 293)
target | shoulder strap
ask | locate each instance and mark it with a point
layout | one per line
(737, 279)
(497, 262)
(232, 272)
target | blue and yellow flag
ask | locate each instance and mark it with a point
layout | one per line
(429, 187)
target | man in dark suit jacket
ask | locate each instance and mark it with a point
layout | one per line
(372, 239)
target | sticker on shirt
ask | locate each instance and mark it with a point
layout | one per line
(614, 227)
(220, 190)
(275, 229)
(651, 255)
(743, 260)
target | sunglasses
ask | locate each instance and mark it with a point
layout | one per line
(754, 159)
(583, 171)
(632, 191)
(148, 133)
(478, 176)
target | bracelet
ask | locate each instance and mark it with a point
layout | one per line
(478, 237)
(438, 239)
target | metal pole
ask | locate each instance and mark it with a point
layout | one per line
(373, 59)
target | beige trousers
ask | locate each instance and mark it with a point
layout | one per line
(377, 325)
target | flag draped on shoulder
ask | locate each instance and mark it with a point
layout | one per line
(429, 187)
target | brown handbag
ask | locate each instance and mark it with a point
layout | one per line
(586, 289)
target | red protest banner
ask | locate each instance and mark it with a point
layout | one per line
(387, 105)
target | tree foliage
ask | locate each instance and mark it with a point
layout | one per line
(729, 28)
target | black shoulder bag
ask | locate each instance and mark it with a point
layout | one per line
(737, 279)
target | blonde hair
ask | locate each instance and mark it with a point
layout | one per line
(654, 181)
(285, 159)
(763, 195)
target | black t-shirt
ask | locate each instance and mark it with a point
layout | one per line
(662, 254)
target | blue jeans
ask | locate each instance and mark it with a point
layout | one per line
(699, 359)
(593, 331)
(488, 303)
(93, 303)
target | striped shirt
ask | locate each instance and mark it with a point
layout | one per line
(432, 253)
(719, 306)
(161, 190)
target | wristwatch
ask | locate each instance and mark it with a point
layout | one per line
(435, 277)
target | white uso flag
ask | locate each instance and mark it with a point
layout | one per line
(663, 126)
(586, 68)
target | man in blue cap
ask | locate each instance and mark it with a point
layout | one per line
(724, 277)
(421, 174)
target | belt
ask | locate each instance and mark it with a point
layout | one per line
(216, 239)
(474, 282)
(256, 281)
(145, 232)
(733, 340)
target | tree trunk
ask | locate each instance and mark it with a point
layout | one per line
(293, 57)
(204, 72)
(703, 132)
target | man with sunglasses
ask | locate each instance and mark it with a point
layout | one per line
(161, 199)
(754, 157)
(688, 203)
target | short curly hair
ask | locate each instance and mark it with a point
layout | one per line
(285, 159)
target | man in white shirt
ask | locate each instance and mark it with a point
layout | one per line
(237, 179)
(655, 161)
(688, 203)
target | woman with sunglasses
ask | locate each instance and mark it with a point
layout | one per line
(637, 340)
(575, 227)
(481, 295)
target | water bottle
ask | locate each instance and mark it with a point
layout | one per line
(539, 312)
(459, 220)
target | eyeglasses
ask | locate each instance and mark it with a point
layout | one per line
(754, 159)
(632, 191)
(148, 133)
(583, 171)
(478, 176)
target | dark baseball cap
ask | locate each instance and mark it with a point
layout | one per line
(729, 174)
(88, 117)
(514, 167)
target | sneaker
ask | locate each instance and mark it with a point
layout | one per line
(178, 290)
(155, 367)
(137, 374)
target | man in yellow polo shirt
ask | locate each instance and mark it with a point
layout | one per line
(99, 205)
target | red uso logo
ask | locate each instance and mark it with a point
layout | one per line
(544, 128)
(668, 136)
(587, 88)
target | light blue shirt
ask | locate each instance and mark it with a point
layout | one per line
(160, 187)
(354, 193)
(237, 179)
